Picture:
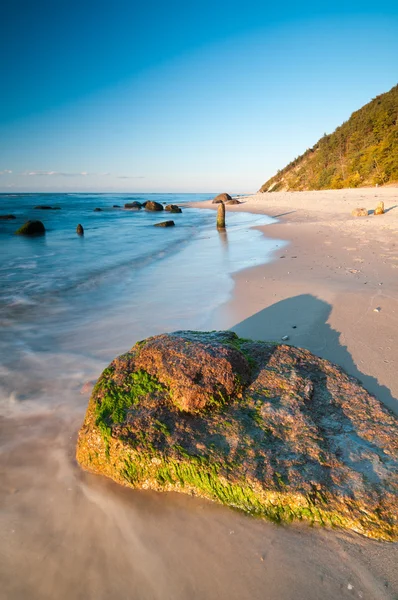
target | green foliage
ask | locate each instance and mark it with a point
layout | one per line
(362, 151)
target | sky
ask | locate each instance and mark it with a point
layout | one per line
(180, 96)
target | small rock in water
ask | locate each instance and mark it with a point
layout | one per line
(46, 207)
(133, 205)
(285, 338)
(31, 228)
(173, 208)
(7, 217)
(97, 209)
(165, 224)
(80, 230)
(153, 206)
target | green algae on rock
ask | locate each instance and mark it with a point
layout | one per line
(266, 428)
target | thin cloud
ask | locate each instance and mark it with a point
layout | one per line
(5, 172)
(54, 173)
(81, 174)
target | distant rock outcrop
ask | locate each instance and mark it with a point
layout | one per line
(173, 208)
(133, 205)
(7, 217)
(221, 198)
(267, 428)
(31, 228)
(153, 206)
(165, 224)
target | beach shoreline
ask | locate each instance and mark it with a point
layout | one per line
(340, 301)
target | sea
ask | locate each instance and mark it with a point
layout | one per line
(68, 305)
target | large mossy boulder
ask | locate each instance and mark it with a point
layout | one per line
(31, 228)
(153, 206)
(267, 428)
(221, 198)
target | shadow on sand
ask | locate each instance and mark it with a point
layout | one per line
(304, 319)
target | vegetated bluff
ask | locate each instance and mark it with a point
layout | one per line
(362, 151)
(267, 428)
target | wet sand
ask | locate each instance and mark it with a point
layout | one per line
(68, 534)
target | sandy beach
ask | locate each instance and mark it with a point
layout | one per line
(69, 533)
(333, 289)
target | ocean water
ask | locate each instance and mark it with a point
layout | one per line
(68, 306)
(123, 280)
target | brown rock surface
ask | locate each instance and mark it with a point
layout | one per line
(173, 208)
(379, 210)
(165, 224)
(221, 198)
(133, 205)
(267, 428)
(360, 212)
(31, 228)
(153, 206)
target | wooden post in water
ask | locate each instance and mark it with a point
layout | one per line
(221, 216)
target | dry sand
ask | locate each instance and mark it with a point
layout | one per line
(333, 289)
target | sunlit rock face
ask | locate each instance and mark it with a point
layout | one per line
(267, 428)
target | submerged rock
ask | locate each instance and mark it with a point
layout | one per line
(173, 208)
(267, 428)
(165, 224)
(46, 207)
(221, 198)
(31, 228)
(153, 206)
(7, 217)
(359, 212)
(97, 209)
(80, 230)
(133, 205)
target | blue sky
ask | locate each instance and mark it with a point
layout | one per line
(180, 96)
